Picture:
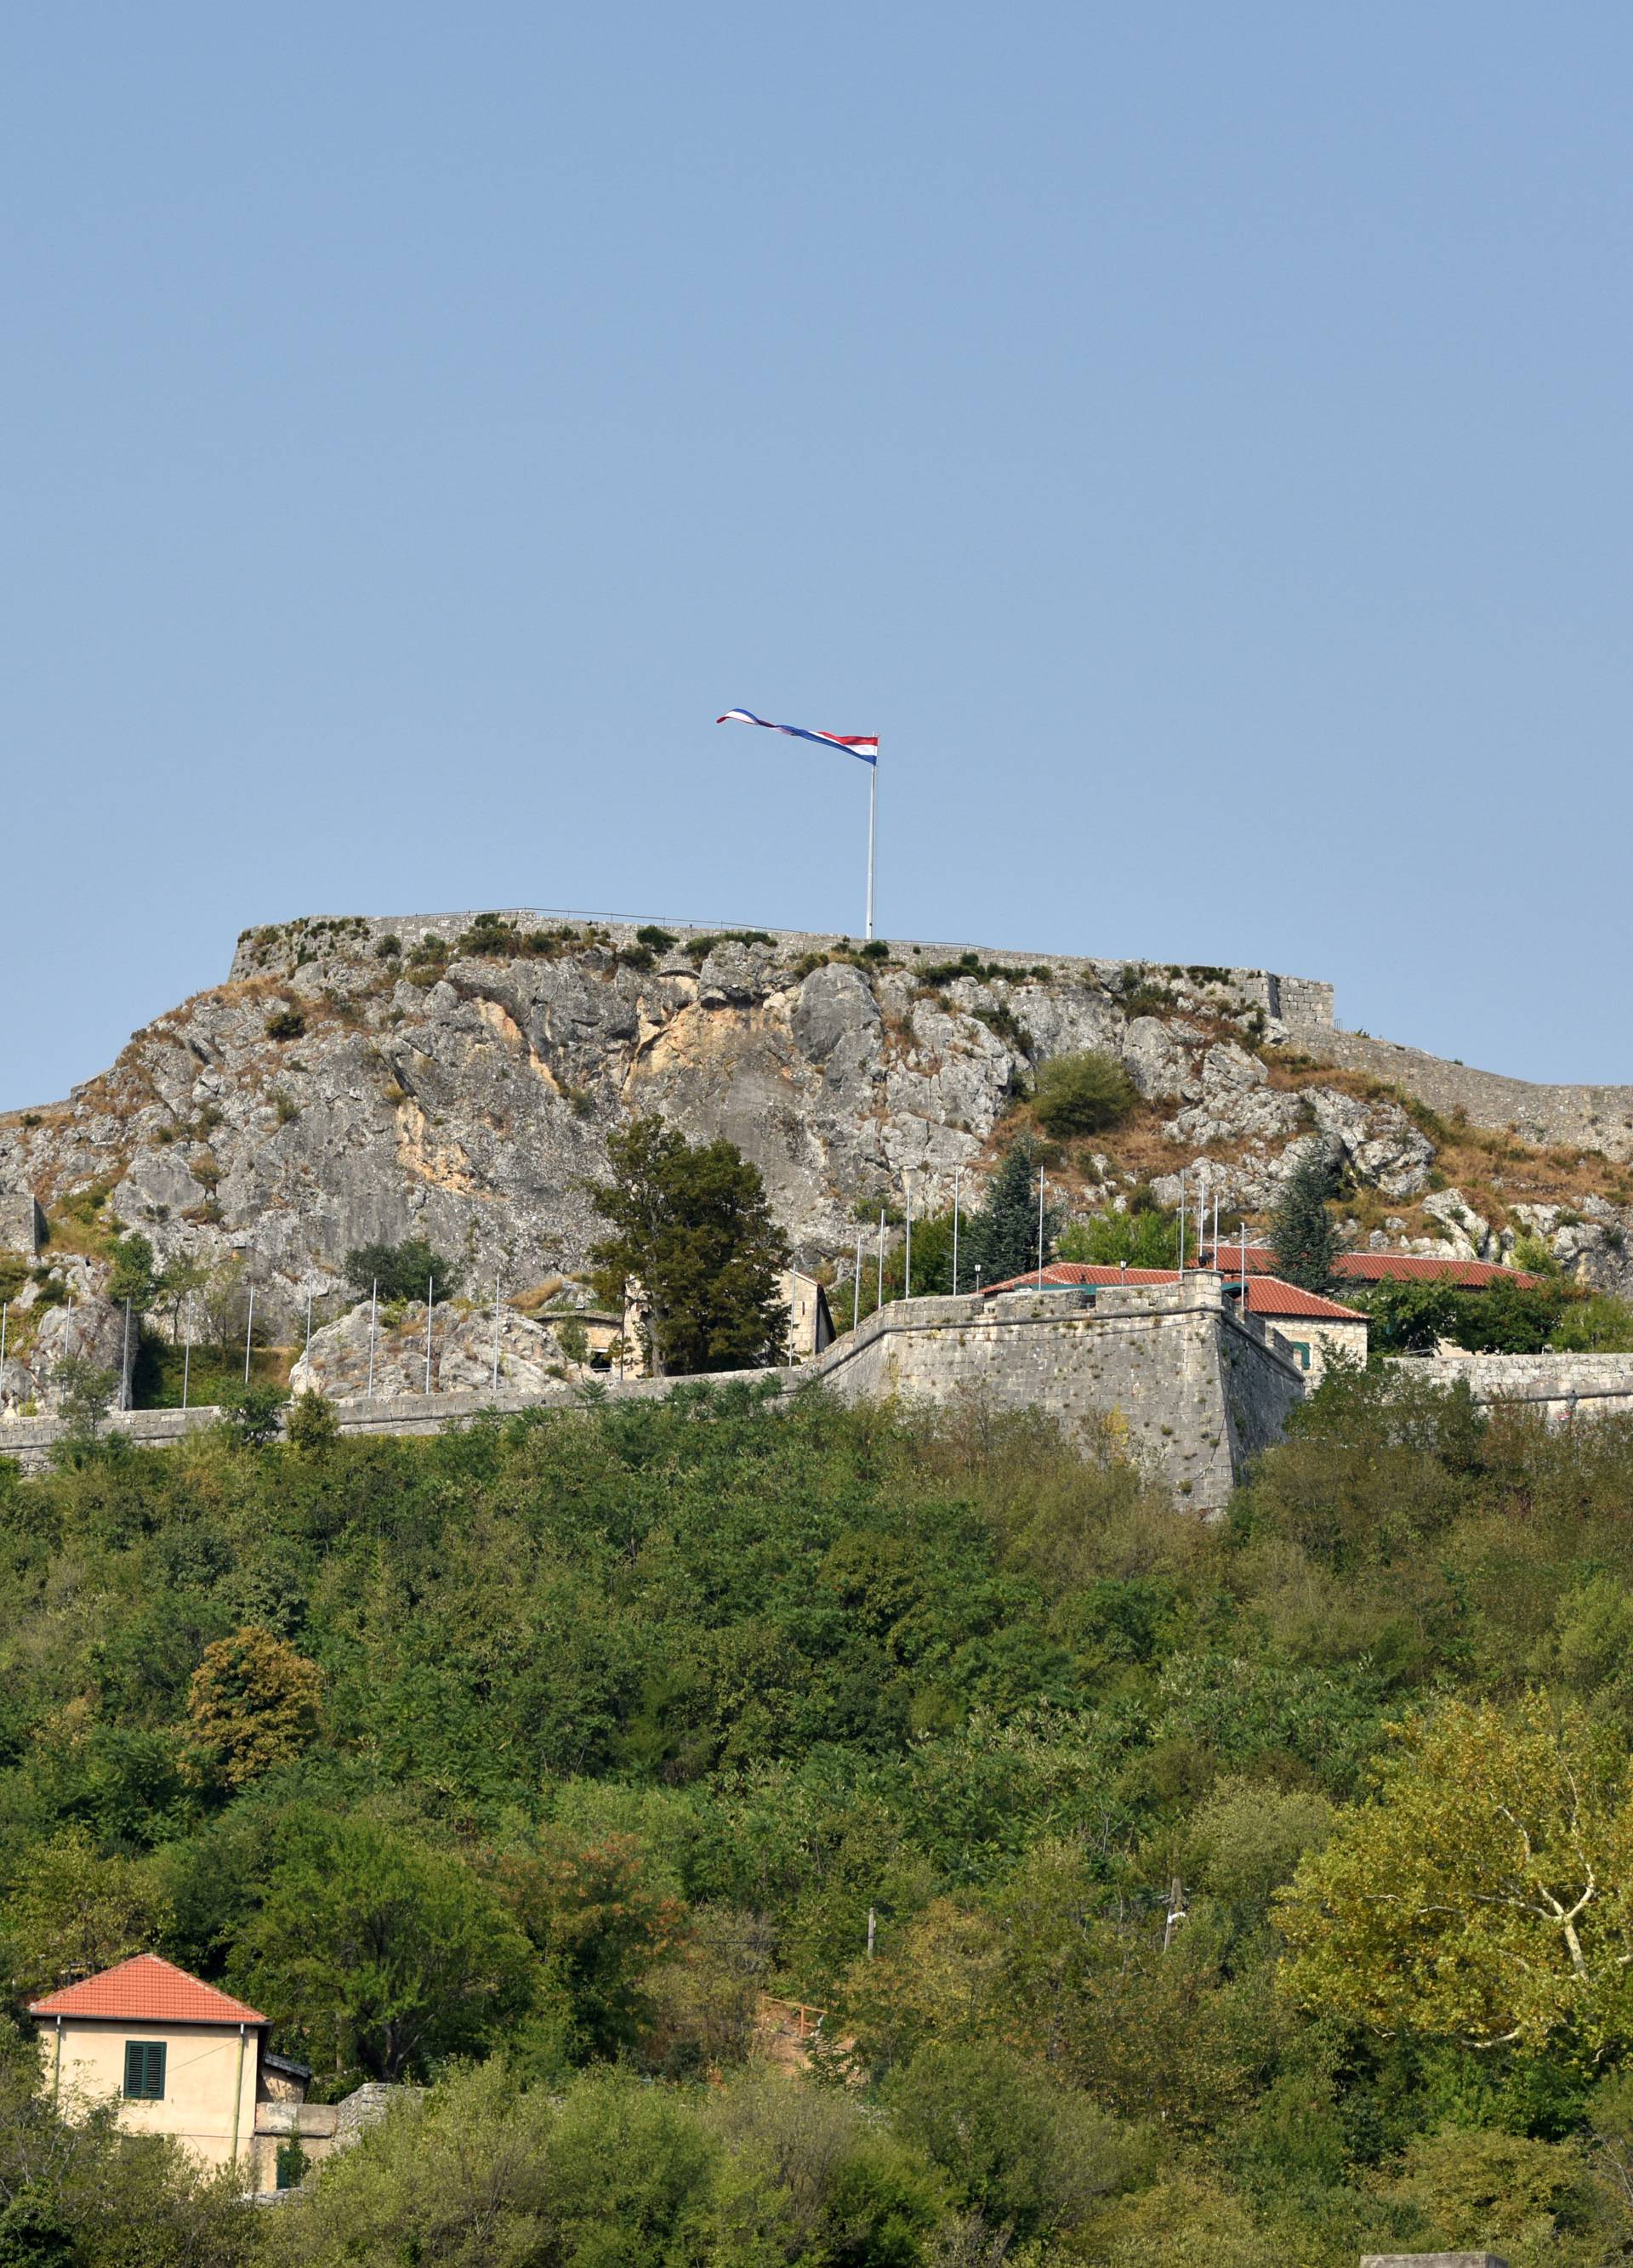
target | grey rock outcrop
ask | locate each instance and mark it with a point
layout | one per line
(462, 1353)
(84, 1340)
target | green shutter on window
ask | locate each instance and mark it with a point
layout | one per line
(144, 2070)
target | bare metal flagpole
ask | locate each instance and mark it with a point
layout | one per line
(873, 813)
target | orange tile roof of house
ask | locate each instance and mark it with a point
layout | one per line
(1266, 1295)
(146, 1989)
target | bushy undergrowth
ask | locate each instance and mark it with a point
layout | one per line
(600, 1726)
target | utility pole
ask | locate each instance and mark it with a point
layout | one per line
(957, 1173)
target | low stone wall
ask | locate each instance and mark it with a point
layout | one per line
(1562, 1385)
(1193, 1392)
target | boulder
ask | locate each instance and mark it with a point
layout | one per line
(337, 1363)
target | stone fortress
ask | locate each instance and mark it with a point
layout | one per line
(455, 1077)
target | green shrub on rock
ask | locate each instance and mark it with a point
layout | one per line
(1083, 1093)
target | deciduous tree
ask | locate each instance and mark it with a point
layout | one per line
(691, 1226)
(1485, 1893)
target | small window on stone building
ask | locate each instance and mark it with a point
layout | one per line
(1301, 1349)
(144, 2070)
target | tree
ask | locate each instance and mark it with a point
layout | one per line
(132, 1275)
(1141, 1238)
(692, 1228)
(401, 1272)
(1082, 1093)
(71, 1911)
(312, 1424)
(1003, 1235)
(85, 1392)
(1030, 2153)
(252, 1416)
(253, 1705)
(603, 1929)
(225, 1297)
(1301, 1229)
(180, 1277)
(1485, 1894)
(379, 1953)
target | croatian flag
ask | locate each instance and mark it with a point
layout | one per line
(864, 744)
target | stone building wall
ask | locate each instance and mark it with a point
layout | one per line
(21, 1225)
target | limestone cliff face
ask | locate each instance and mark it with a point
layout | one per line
(328, 1095)
(359, 1080)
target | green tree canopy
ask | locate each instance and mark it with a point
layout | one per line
(401, 1272)
(377, 1953)
(1303, 1232)
(692, 1229)
(1004, 1234)
(1485, 1893)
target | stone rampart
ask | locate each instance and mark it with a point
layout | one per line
(1190, 1392)
(1577, 1117)
(1560, 1384)
(1306, 1002)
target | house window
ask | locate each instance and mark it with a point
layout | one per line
(1302, 1349)
(144, 2070)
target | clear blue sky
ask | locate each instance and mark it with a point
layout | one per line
(1197, 438)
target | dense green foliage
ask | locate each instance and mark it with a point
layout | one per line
(689, 1225)
(1004, 1235)
(525, 1759)
(1143, 1237)
(1504, 1318)
(401, 1272)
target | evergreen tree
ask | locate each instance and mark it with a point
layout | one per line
(1302, 1230)
(692, 1229)
(1003, 1235)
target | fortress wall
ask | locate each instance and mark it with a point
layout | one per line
(1579, 1117)
(1561, 1386)
(1192, 1393)
(1299, 1000)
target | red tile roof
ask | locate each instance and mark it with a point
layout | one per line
(1381, 1267)
(145, 1989)
(1420, 1267)
(1061, 1273)
(1266, 1295)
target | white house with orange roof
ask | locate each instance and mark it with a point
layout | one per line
(177, 2056)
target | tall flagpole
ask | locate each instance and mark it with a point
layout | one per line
(873, 813)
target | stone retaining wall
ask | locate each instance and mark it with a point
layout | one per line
(1597, 1385)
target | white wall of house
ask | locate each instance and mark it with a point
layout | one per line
(209, 2096)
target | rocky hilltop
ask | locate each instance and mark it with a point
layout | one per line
(457, 1078)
